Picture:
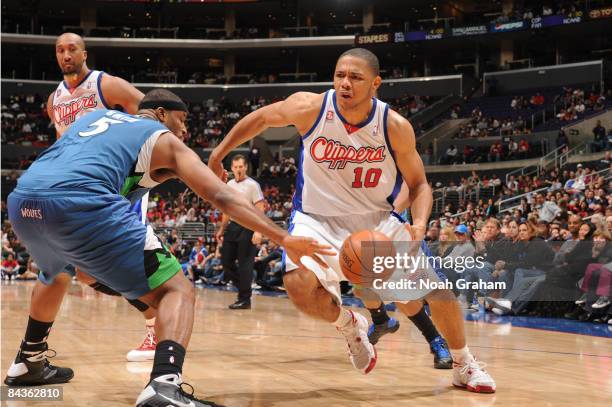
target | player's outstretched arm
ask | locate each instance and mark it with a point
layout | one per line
(300, 110)
(403, 143)
(120, 92)
(171, 158)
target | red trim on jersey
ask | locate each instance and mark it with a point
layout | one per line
(350, 128)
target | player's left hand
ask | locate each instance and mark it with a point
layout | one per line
(298, 247)
(217, 168)
(416, 232)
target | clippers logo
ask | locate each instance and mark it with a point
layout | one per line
(338, 155)
(66, 113)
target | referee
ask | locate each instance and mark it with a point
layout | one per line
(237, 241)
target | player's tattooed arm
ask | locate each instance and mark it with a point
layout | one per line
(119, 92)
(403, 143)
(300, 110)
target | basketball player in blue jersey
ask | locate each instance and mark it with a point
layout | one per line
(83, 91)
(355, 154)
(70, 207)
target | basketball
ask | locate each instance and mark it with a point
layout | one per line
(358, 256)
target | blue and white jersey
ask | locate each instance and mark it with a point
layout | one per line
(105, 152)
(346, 169)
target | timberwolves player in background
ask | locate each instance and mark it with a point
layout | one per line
(83, 91)
(355, 154)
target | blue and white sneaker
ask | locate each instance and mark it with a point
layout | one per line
(442, 356)
(377, 331)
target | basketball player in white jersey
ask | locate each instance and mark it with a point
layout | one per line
(356, 151)
(84, 90)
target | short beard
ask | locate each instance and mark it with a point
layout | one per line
(72, 72)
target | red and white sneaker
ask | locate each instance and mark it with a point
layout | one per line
(472, 376)
(361, 352)
(146, 351)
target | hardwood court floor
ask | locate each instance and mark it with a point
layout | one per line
(274, 356)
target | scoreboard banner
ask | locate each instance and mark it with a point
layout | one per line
(601, 13)
(375, 39)
(493, 28)
(469, 30)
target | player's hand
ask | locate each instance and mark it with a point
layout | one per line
(298, 247)
(216, 166)
(219, 235)
(417, 233)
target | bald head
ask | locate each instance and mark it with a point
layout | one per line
(71, 38)
(71, 54)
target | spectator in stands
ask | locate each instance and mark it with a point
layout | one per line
(547, 210)
(30, 273)
(10, 268)
(495, 152)
(524, 148)
(599, 137)
(268, 266)
(597, 282)
(432, 238)
(529, 265)
(254, 158)
(450, 156)
(562, 138)
(213, 270)
(537, 100)
(197, 260)
(489, 244)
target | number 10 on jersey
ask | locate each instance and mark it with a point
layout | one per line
(372, 176)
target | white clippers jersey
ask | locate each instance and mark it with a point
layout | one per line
(70, 105)
(345, 169)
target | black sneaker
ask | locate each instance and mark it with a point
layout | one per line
(377, 331)
(32, 368)
(240, 305)
(166, 391)
(442, 356)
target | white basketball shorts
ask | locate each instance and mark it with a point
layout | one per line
(333, 231)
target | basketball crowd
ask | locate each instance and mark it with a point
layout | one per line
(25, 121)
(552, 248)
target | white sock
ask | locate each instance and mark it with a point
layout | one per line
(150, 324)
(461, 355)
(344, 319)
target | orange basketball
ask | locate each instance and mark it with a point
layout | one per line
(361, 252)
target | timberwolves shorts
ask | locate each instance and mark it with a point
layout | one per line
(97, 233)
(334, 230)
